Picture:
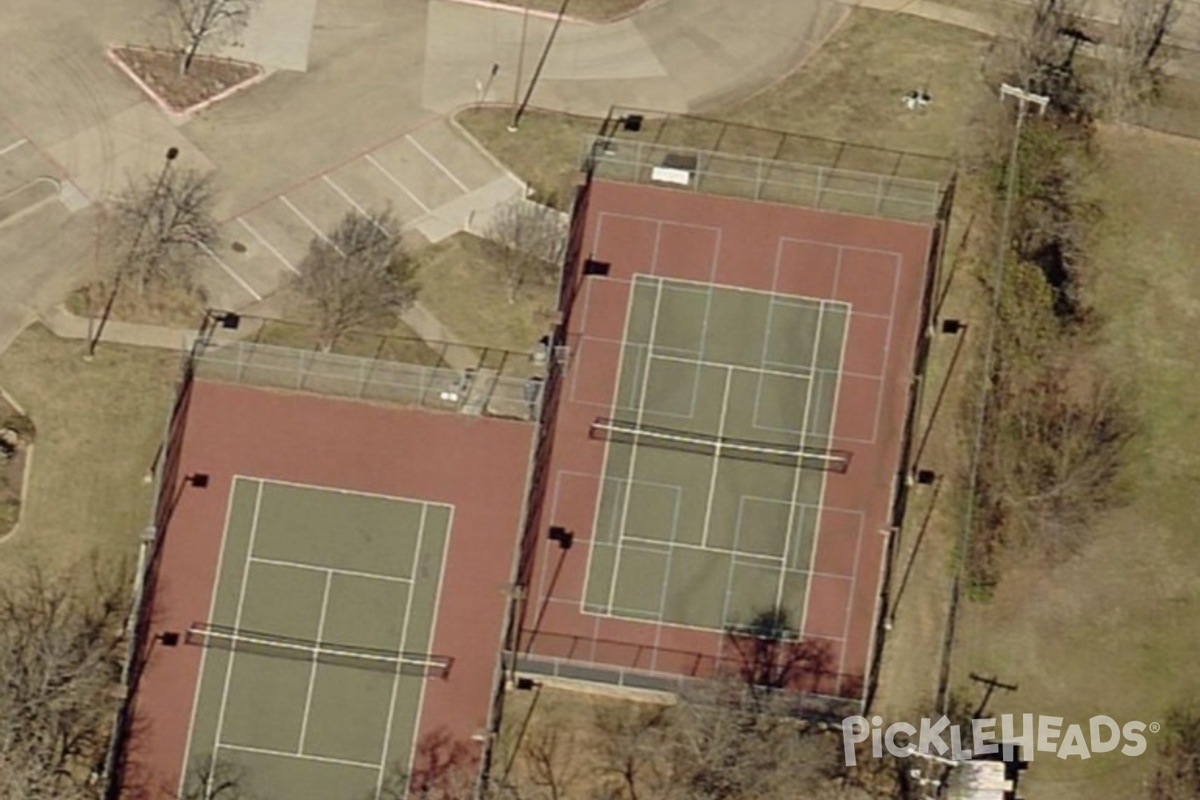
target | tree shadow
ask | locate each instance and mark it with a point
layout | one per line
(768, 653)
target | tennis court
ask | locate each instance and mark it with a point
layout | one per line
(718, 449)
(316, 647)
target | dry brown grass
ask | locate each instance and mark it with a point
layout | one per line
(462, 286)
(1112, 631)
(545, 152)
(166, 305)
(851, 90)
(98, 425)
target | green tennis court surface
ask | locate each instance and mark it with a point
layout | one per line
(701, 522)
(316, 650)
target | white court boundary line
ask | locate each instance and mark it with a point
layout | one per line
(606, 340)
(237, 624)
(640, 413)
(312, 672)
(408, 605)
(616, 389)
(212, 607)
(716, 459)
(350, 573)
(437, 605)
(791, 523)
(300, 756)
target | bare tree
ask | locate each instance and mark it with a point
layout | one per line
(532, 241)
(357, 276)
(60, 659)
(733, 745)
(634, 745)
(1132, 72)
(551, 760)
(207, 22)
(160, 227)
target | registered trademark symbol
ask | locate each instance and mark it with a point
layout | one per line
(1155, 727)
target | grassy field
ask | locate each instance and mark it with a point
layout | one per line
(98, 425)
(1113, 631)
(461, 286)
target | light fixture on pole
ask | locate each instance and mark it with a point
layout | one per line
(171, 154)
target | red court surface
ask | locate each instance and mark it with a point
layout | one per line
(879, 267)
(478, 465)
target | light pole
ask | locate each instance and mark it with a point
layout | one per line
(512, 127)
(1024, 100)
(537, 71)
(171, 154)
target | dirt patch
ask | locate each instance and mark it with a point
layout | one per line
(208, 77)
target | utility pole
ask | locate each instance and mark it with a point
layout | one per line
(512, 128)
(1024, 100)
(171, 155)
(992, 685)
(537, 71)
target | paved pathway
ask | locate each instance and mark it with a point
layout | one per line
(66, 325)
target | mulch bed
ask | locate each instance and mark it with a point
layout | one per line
(205, 79)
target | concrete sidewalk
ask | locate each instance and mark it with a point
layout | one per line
(674, 56)
(66, 325)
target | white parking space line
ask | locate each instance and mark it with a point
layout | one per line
(437, 163)
(233, 274)
(346, 196)
(270, 247)
(9, 148)
(375, 163)
(309, 223)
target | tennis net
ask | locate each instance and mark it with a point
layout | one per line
(354, 656)
(626, 432)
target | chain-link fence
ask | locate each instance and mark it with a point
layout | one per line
(479, 390)
(757, 178)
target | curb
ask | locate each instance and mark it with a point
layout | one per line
(460, 129)
(177, 115)
(533, 12)
(550, 15)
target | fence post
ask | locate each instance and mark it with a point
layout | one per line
(758, 179)
(241, 363)
(879, 193)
